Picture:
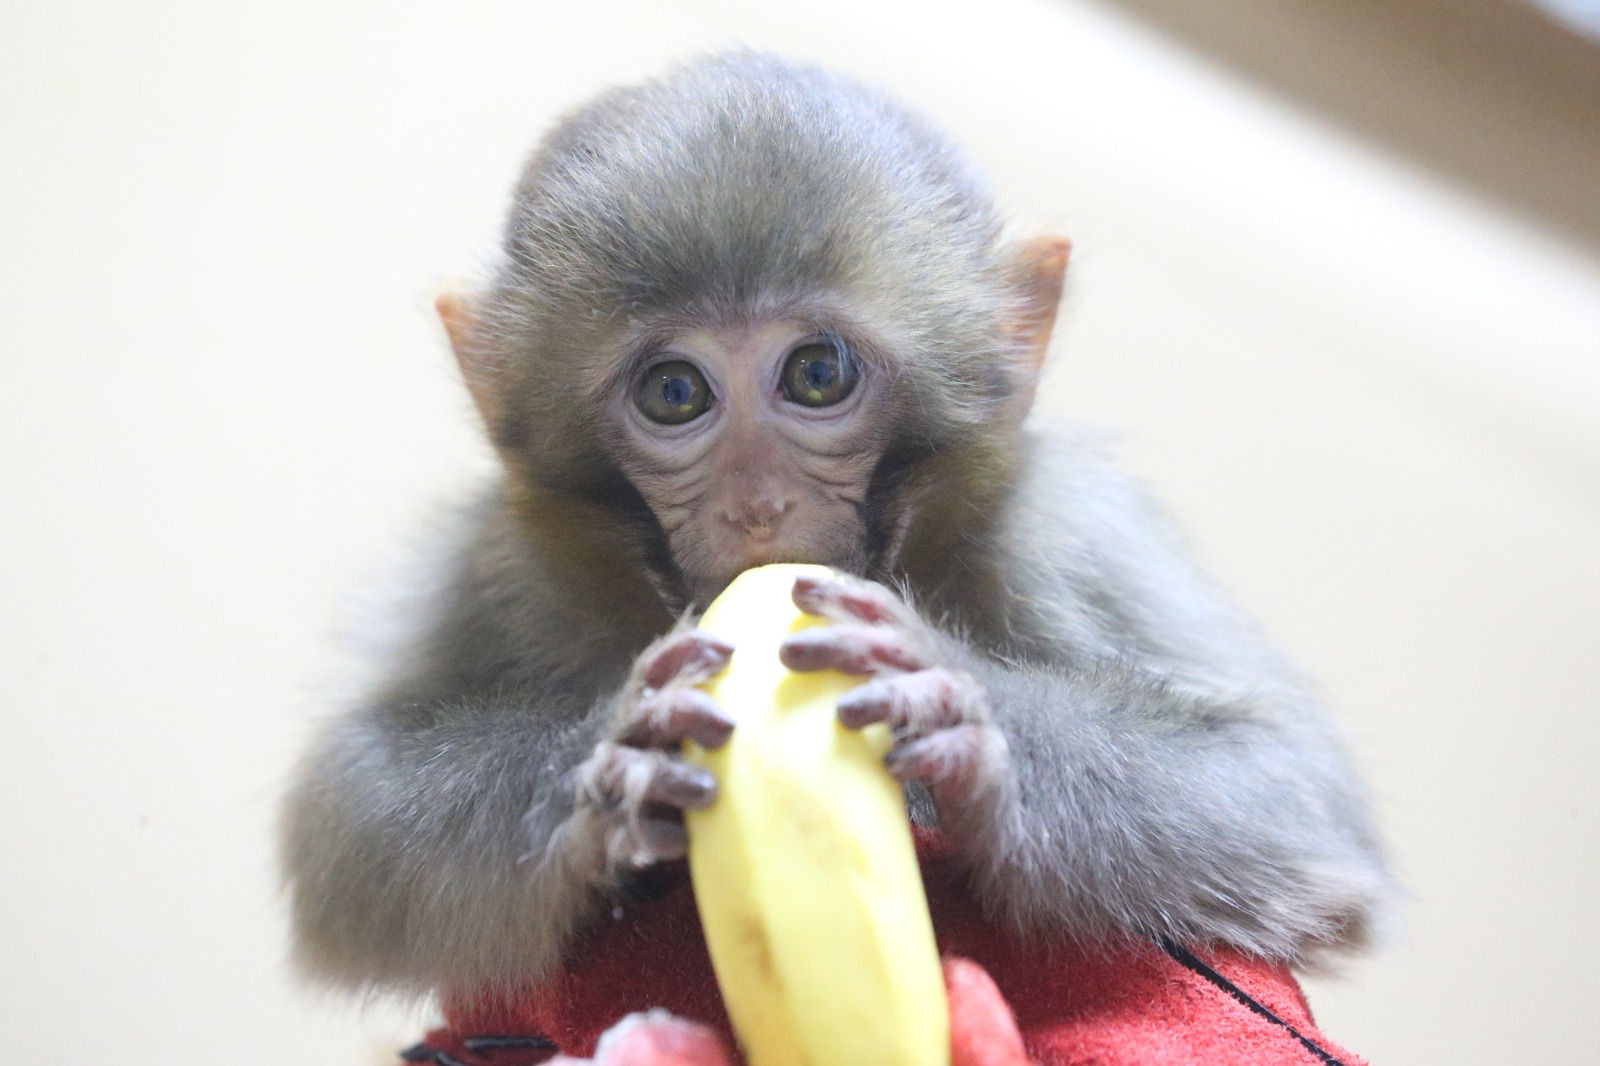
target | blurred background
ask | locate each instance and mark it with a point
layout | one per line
(1337, 288)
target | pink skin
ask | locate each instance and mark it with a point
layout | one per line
(655, 1038)
(756, 478)
(939, 716)
(636, 779)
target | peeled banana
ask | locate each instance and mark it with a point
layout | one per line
(804, 869)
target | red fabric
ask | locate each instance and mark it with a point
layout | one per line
(1126, 1004)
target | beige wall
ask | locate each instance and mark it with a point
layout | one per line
(1371, 393)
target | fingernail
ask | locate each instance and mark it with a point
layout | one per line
(800, 652)
(863, 706)
(695, 788)
(714, 732)
(807, 593)
(713, 641)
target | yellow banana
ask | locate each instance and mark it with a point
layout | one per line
(804, 868)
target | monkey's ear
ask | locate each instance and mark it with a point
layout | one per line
(460, 324)
(1038, 272)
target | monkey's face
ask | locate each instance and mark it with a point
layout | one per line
(753, 445)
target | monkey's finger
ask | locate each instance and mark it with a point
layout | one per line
(680, 785)
(666, 719)
(691, 656)
(950, 758)
(852, 649)
(913, 704)
(846, 599)
(626, 778)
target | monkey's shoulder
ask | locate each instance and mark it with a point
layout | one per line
(1075, 514)
(1088, 565)
(484, 605)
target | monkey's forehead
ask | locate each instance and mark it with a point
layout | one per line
(741, 174)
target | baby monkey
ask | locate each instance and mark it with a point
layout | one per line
(753, 312)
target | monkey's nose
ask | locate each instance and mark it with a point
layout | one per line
(757, 517)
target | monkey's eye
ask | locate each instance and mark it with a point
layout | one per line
(673, 393)
(819, 374)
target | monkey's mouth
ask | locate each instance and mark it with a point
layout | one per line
(710, 557)
(766, 552)
(781, 549)
(706, 585)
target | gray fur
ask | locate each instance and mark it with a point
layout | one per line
(730, 189)
(1169, 774)
(1172, 775)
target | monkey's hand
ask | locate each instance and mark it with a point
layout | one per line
(943, 735)
(634, 782)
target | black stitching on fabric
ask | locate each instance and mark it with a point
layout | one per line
(424, 1053)
(1188, 959)
(475, 1044)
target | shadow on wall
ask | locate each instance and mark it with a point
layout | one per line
(1494, 93)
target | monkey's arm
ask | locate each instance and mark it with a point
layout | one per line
(405, 837)
(1170, 773)
(457, 842)
(1133, 805)
(452, 831)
